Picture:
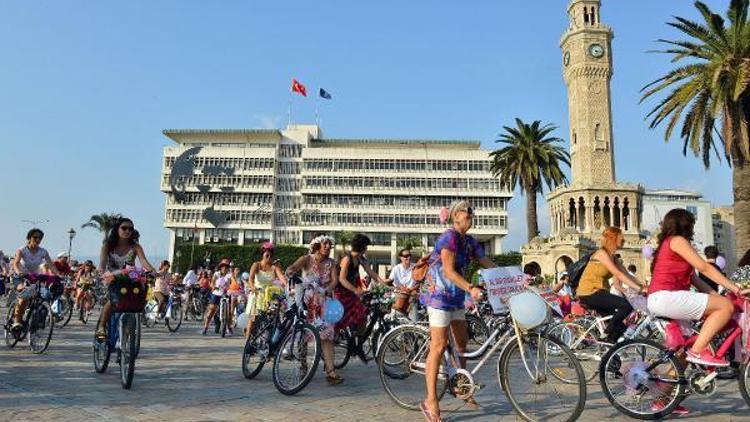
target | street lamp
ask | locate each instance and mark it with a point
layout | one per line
(71, 235)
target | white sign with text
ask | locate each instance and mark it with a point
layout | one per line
(502, 283)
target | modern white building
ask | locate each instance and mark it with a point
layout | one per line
(724, 231)
(657, 203)
(247, 185)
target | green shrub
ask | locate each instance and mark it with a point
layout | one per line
(510, 259)
(241, 255)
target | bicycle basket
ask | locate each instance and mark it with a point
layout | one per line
(45, 293)
(127, 295)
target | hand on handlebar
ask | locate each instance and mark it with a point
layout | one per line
(476, 293)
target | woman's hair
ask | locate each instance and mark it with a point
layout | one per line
(745, 260)
(360, 243)
(164, 263)
(114, 234)
(318, 240)
(401, 252)
(33, 232)
(678, 222)
(610, 239)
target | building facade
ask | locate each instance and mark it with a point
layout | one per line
(723, 225)
(656, 203)
(242, 186)
(594, 199)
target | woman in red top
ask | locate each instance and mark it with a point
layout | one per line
(673, 271)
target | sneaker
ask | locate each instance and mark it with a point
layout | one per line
(706, 358)
(15, 326)
(230, 332)
(203, 331)
(659, 405)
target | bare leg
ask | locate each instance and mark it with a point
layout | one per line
(209, 316)
(718, 313)
(438, 341)
(106, 312)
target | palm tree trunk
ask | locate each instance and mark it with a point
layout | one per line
(741, 185)
(532, 226)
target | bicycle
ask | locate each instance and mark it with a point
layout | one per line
(172, 314)
(523, 355)
(647, 380)
(196, 303)
(88, 300)
(582, 335)
(62, 305)
(294, 344)
(37, 321)
(128, 297)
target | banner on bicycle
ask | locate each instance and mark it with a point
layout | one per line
(502, 283)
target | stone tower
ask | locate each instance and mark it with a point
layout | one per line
(594, 199)
(587, 70)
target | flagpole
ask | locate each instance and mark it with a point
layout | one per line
(317, 104)
(289, 112)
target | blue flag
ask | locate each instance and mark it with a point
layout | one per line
(324, 94)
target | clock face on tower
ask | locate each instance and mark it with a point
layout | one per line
(596, 50)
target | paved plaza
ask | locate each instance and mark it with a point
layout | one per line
(188, 377)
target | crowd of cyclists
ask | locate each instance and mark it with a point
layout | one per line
(683, 286)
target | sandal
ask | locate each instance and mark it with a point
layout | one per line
(429, 416)
(333, 378)
(471, 403)
(101, 334)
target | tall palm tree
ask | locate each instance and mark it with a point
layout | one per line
(530, 159)
(102, 222)
(710, 94)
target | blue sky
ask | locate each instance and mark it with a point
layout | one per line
(87, 87)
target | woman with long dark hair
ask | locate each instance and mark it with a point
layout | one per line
(120, 249)
(674, 271)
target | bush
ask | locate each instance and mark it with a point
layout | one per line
(510, 259)
(242, 256)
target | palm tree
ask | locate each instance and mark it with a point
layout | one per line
(412, 243)
(102, 222)
(530, 159)
(343, 238)
(710, 94)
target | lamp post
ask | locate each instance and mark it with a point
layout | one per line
(71, 235)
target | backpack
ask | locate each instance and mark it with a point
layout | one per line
(575, 271)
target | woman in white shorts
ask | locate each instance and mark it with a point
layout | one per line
(673, 272)
(454, 251)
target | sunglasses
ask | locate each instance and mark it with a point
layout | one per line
(37, 237)
(405, 256)
(126, 228)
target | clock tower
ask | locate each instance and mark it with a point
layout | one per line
(587, 70)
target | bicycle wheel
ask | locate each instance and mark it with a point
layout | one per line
(296, 359)
(101, 353)
(343, 344)
(148, 322)
(41, 324)
(66, 311)
(744, 379)
(401, 363)
(524, 375)
(175, 318)
(127, 350)
(10, 339)
(256, 351)
(138, 330)
(636, 374)
(477, 330)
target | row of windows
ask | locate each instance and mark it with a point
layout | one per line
(232, 216)
(286, 184)
(349, 219)
(224, 235)
(286, 237)
(290, 167)
(290, 151)
(288, 201)
(317, 182)
(396, 165)
(218, 198)
(256, 181)
(233, 163)
(375, 201)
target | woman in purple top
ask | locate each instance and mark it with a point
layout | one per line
(447, 287)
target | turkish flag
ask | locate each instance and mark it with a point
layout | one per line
(299, 88)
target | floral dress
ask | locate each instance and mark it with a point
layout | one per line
(317, 277)
(442, 293)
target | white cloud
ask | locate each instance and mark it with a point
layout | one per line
(267, 121)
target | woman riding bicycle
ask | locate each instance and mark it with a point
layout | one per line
(84, 280)
(161, 287)
(262, 274)
(120, 249)
(320, 279)
(673, 271)
(219, 286)
(28, 260)
(447, 286)
(349, 288)
(593, 288)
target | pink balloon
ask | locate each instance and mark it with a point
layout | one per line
(721, 262)
(444, 215)
(648, 252)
